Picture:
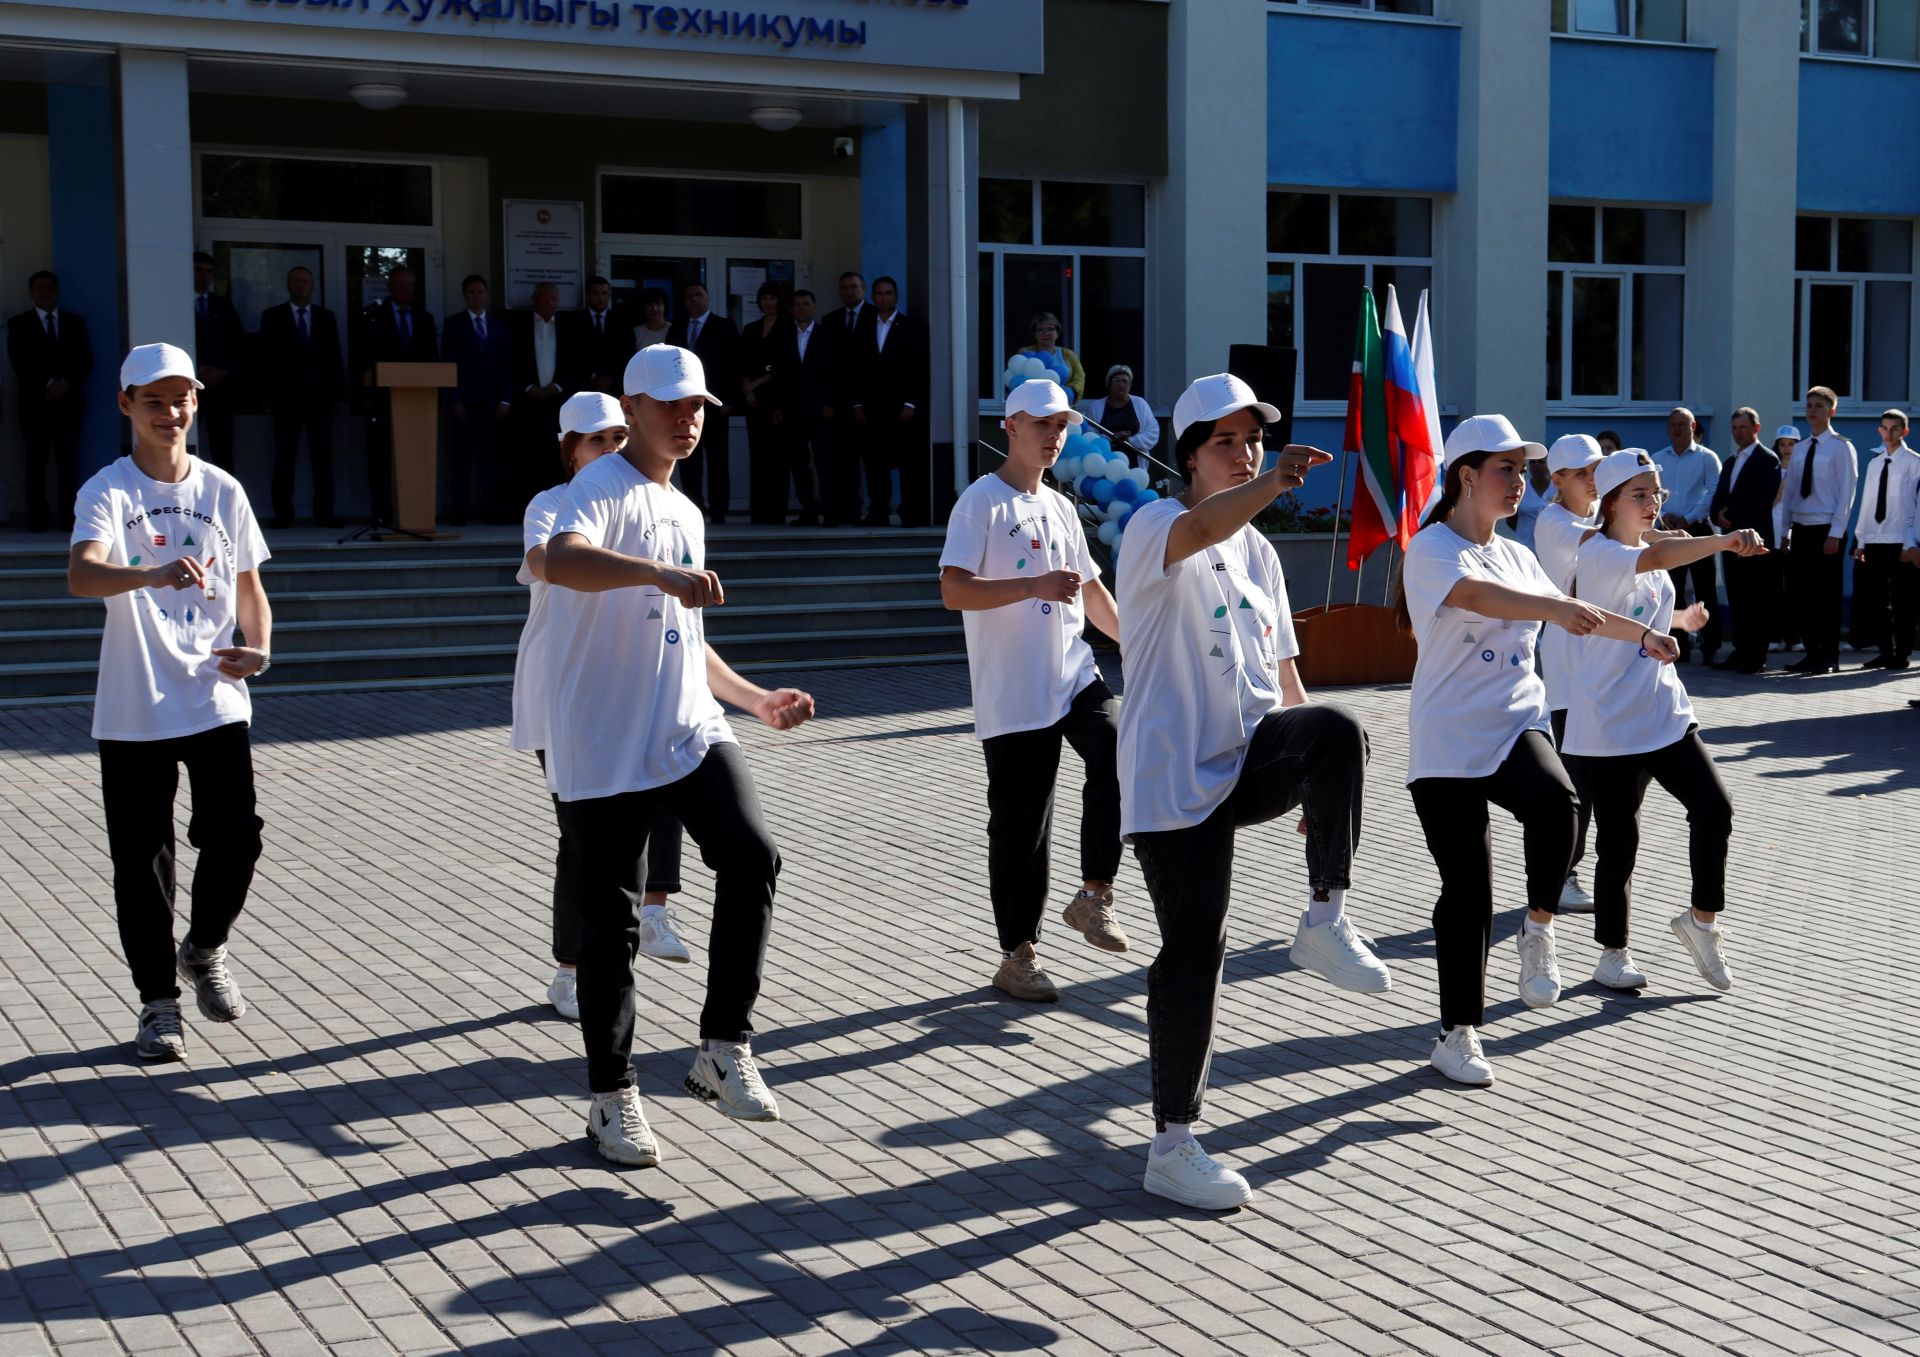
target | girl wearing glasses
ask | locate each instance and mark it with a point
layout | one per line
(1629, 722)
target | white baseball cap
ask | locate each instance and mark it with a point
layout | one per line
(1572, 451)
(590, 412)
(1216, 397)
(150, 362)
(1617, 468)
(667, 372)
(1039, 397)
(1488, 433)
(1786, 431)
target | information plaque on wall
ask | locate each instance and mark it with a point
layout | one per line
(544, 242)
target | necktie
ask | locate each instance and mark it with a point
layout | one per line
(853, 313)
(300, 319)
(1806, 473)
(480, 325)
(1880, 496)
(600, 322)
(51, 332)
(200, 304)
(693, 330)
(406, 327)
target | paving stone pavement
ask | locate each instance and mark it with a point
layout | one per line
(385, 1155)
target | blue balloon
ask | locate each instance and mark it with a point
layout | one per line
(1126, 491)
(1075, 446)
(1102, 491)
(1146, 496)
(1086, 486)
(1127, 518)
(1016, 381)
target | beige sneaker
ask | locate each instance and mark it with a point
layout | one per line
(1020, 976)
(1093, 918)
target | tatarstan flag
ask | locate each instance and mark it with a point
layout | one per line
(1376, 490)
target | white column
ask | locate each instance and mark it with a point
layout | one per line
(157, 193)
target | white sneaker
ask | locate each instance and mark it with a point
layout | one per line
(1617, 971)
(724, 1074)
(657, 938)
(1337, 953)
(1704, 943)
(1457, 1055)
(162, 1036)
(618, 1129)
(1574, 898)
(564, 992)
(1189, 1175)
(214, 988)
(1539, 968)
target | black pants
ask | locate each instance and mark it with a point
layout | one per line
(530, 460)
(1559, 719)
(213, 424)
(659, 871)
(1883, 598)
(51, 430)
(380, 453)
(1813, 584)
(1697, 583)
(768, 459)
(1021, 770)
(1685, 770)
(1534, 787)
(1314, 756)
(138, 779)
(706, 477)
(809, 455)
(720, 808)
(1752, 592)
(292, 417)
(900, 445)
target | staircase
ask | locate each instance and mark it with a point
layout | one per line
(417, 613)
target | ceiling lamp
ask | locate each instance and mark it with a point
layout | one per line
(377, 97)
(775, 117)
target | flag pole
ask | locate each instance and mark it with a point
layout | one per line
(1333, 560)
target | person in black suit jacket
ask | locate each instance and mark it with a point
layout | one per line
(549, 362)
(219, 345)
(713, 338)
(804, 369)
(306, 386)
(852, 329)
(397, 330)
(1743, 498)
(890, 405)
(606, 340)
(52, 358)
(476, 342)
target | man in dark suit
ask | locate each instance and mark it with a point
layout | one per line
(306, 387)
(606, 340)
(890, 405)
(1743, 498)
(52, 357)
(803, 377)
(717, 343)
(397, 330)
(548, 362)
(219, 343)
(852, 329)
(477, 344)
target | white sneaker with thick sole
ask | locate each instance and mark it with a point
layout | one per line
(1337, 953)
(1457, 1054)
(162, 1036)
(724, 1074)
(1617, 971)
(564, 992)
(1189, 1175)
(658, 939)
(1574, 898)
(618, 1129)
(214, 990)
(1704, 944)
(1539, 969)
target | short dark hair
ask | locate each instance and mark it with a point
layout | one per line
(651, 295)
(470, 280)
(598, 281)
(202, 257)
(768, 289)
(399, 269)
(299, 268)
(1190, 442)
(854, 273)
(38, 274)
(889, 280)
(806, 292)
(545, 285)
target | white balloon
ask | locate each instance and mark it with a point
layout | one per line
(1036, 368)
(1108, 532)
(1115, 508)
(1066, 470)
(1117, 469)
(1139, 477)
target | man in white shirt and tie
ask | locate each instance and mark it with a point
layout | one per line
(545, 359)
(706, 477)
(1689, 472)
(1744, 499)
(1819, 500)
(803, 379)
(1883, 582)
(606, 338)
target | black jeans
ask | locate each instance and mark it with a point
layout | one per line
(1697, 583)
(660, 870)
(1021, 770)
(1534, 787)
(1883, 600)
(1685, 770)
(138, 779)
(1314, 756)
(1585, 816)
(292, 416)
(1813, 586)
(719, 806)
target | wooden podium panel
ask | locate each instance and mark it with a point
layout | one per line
(414, 396)
(1352, 643)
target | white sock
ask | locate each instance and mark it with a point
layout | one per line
(1533, 927)
(1694, 919)
(1327, 910)
(645, 910)
(1176, 1134)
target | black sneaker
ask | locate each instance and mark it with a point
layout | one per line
(214, 989)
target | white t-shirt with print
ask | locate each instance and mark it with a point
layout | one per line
(1474, 688)
(159, 678)
(1556, 541)
(530, 662)
(1027, 660)
(1624, 701)
(628, 703)
(1203, 643)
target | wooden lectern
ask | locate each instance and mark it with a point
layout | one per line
(415, 402)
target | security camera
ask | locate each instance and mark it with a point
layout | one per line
(843, 146)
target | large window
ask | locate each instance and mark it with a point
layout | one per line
(299, 188)
(1322, 248)
(744, 209)
(1374, 6)
(1616, 308)
(1650, 20)
(1853, 306)
(1074, 250)
(1887, 29)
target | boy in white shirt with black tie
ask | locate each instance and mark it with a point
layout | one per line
(1819, 500)
(1883, 585)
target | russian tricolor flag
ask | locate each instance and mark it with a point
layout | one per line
(1413, 416)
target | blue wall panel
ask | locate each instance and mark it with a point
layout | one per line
(883, 214)
(1859, 138)
(83, 159)
(1631, 122)
(1359, 103)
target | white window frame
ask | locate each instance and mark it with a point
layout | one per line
(1810, 36)
(998, 250)
(1336, 406)
(1351, 7)
(1622, 402)
(1633, 25)
(1857, 403)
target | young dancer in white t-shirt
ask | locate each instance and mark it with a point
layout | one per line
(1474, 603)
(1016, 567)
(635, 725)
(171, 544)
(1629, 721)
(1216, 734)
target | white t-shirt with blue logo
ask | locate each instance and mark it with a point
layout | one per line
(1623, 700)
(1556, 541)
(1474, 688)
(530, 662)
(628, 704)
(159, 678)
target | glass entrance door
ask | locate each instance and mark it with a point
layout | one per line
(635, 275)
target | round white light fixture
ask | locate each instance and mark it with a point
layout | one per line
(775, 117)
(380, 97)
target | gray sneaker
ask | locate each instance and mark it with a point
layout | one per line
(162, 1035)
(214, 989)
(724, 1074)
